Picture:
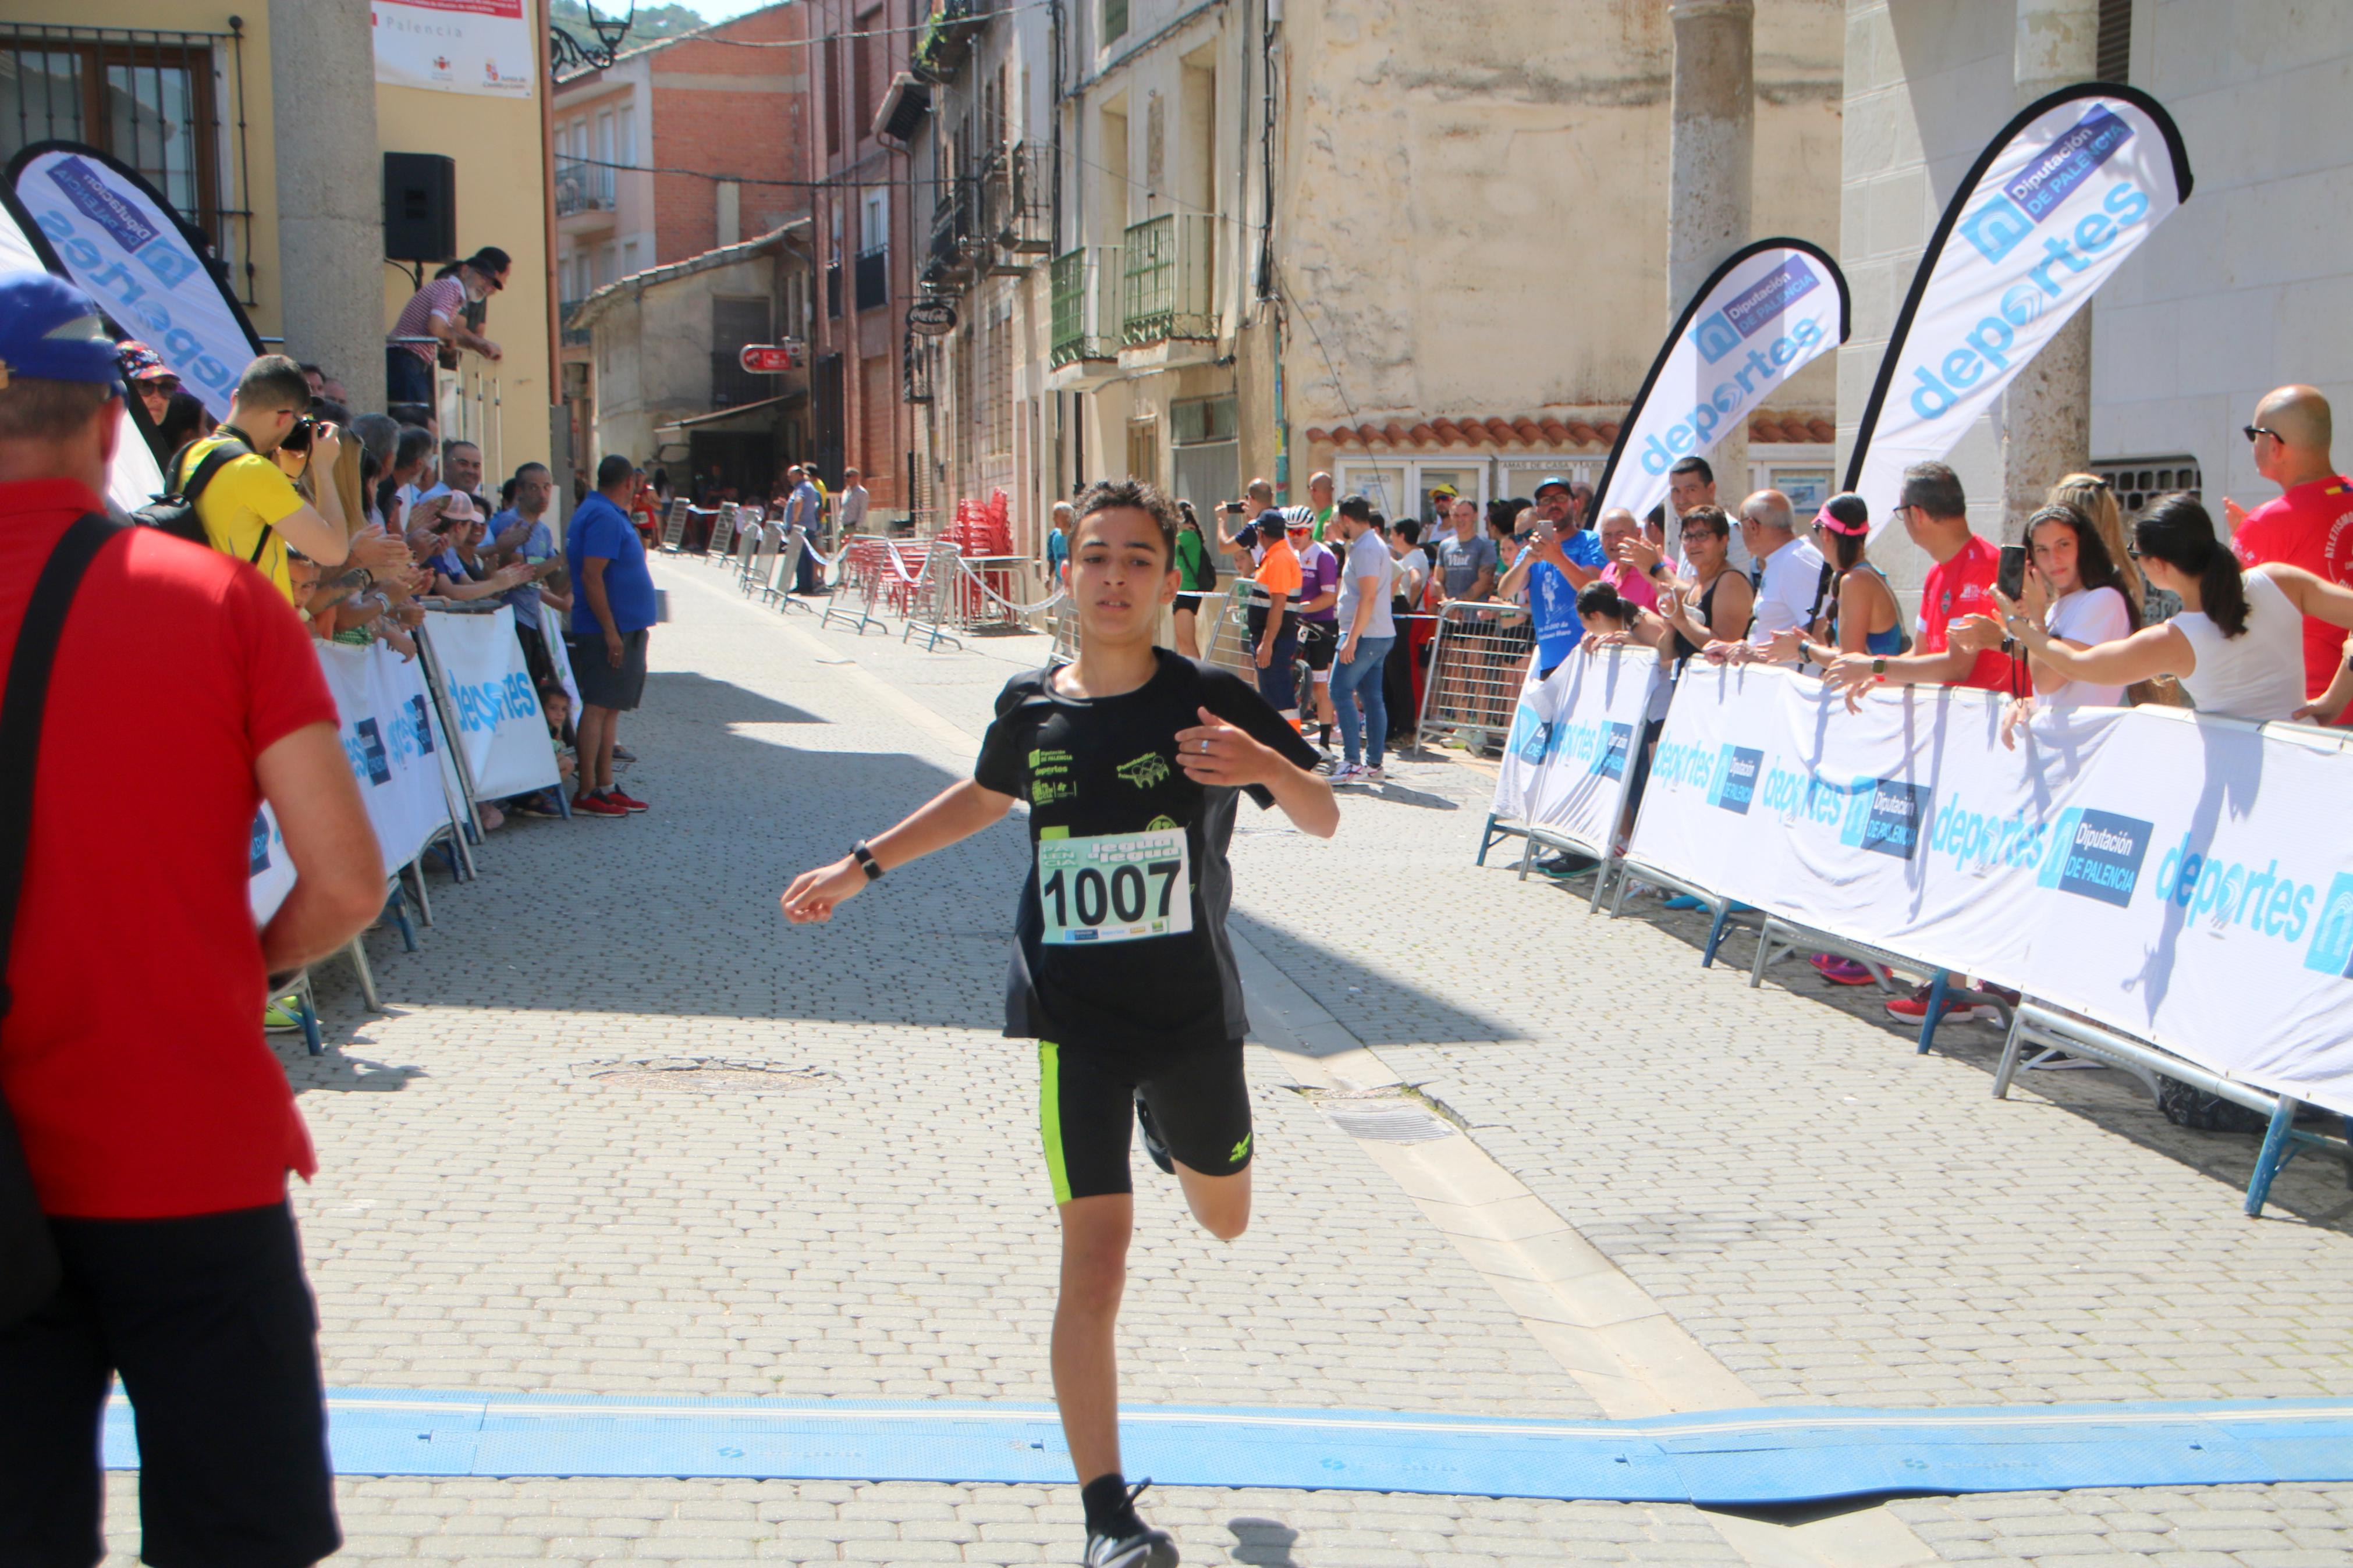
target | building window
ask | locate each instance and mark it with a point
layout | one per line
(2114, 47)
(146, 97)
(1114, 19)
(874, 251)
(863, 53)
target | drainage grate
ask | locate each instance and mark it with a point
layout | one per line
(1393, 1113)
(708, 1075)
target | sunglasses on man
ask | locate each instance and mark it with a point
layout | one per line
(2252, 431)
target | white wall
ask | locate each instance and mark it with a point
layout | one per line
(1928, 82)
(2251, 284)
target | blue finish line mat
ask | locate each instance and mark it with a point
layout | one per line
(1729, 1456)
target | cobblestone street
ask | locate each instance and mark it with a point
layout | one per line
(1670, 1192)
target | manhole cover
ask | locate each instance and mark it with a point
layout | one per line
(704, 1075)
(1390, 1114)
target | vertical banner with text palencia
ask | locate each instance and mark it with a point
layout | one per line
(2065, 192)
(481, 47)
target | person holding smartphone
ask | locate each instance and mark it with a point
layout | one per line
(2072, 589)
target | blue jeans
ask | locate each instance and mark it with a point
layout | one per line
(1360, 678)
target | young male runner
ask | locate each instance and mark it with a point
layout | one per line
(1130, 760)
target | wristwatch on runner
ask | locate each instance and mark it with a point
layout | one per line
(865, 857)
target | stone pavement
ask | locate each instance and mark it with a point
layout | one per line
(1775, 1200)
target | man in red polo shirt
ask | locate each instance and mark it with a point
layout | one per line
(2310, 524)
(1959, 589)
(158, 1127)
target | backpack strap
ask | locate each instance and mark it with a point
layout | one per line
(229, 450)
(26, 1248)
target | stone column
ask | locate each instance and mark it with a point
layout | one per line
(1713, 144)
(2044, 419)
(330, 190)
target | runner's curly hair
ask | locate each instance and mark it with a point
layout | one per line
(1119, 495)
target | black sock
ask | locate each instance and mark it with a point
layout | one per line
(1108, 1509)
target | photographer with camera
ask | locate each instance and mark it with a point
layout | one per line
(247, 503)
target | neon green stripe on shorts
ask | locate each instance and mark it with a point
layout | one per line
(1049, 1116)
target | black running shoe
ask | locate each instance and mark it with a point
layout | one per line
(1142, 1547)
(1156, 1148)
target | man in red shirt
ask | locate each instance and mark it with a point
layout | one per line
(2310, 524)
(158, 1127)
(1959, 589)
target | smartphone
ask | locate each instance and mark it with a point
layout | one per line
(2010, 576)
(1233, 508)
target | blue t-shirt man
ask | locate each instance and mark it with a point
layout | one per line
(1552, 599)
(537, 546)
(601, 531)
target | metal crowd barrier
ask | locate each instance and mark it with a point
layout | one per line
(1477, 663)
(673, 533)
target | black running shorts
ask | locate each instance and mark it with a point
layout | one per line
(209, 1324)
(1319, 641)
(1086, 1104)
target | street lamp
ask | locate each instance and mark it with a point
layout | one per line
(566, 52)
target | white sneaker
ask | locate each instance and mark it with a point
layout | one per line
(1372, 776)
(1347, 773)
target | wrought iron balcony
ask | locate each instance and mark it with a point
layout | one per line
(1086, 305)
(572, 336)
(955, 231)
(1169, 283)
(1016, 200)
(582, 187)
(873, 282)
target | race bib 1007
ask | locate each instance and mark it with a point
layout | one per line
(1115, 887)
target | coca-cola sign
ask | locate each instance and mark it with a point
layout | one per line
(931, 318)
(770, 359)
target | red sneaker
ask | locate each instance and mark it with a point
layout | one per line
(1959, 1010)
(597, 806)
(627, 802)
(1841, 971)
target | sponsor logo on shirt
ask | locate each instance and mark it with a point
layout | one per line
(1045, 791)
(259, 856)
(1045, 762)
(1145, 771)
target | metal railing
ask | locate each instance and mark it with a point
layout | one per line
(1170, 279)
(1016, 208)
(1086, 304)
(1477, 662)
(582, 187)
(873, 278)
(573, 336)
(956, 229)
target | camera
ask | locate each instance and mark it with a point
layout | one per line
(298, 437)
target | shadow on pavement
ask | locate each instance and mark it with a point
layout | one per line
(2314, 1188)
(675, 913)
(1263, 1542)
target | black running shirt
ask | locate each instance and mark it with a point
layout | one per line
(1102, 954)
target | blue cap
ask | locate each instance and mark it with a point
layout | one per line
(1548, 479)
(50, 331)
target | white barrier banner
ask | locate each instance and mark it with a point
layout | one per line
(501, 727)
(559, 653)
(123, 245)
(387, 732)
(1525, 748)
(455, 46)
(1595, 735)
(271, 874)
(2062, 194)
(1768, 310)
(2187, 881)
